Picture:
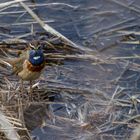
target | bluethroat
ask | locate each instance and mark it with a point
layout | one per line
(29, 65)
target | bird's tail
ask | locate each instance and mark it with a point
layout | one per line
(5, 62)
(6, 66)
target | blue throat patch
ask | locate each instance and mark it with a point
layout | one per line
(36, 57)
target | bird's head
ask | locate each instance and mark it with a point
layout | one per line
(36, 56)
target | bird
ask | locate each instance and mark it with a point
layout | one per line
(29, 65)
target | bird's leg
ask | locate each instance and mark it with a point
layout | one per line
(31, 91)
(22, 89)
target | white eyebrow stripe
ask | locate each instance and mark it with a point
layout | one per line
(36, 57)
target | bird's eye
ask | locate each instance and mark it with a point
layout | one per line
(32, 47)
(39, 47)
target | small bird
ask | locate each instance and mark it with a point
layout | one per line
(29, 65)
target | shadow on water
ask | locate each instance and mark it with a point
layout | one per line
(93, 100)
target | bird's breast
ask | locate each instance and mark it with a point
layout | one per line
(36, 68)
(31, 72)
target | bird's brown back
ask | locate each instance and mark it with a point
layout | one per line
(17, 63)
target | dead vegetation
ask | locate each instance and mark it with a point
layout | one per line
(86, 93)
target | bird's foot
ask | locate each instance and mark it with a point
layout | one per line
(30, 94)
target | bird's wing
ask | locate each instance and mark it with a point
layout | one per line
(16, 63)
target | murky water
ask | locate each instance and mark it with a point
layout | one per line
(94, 24)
